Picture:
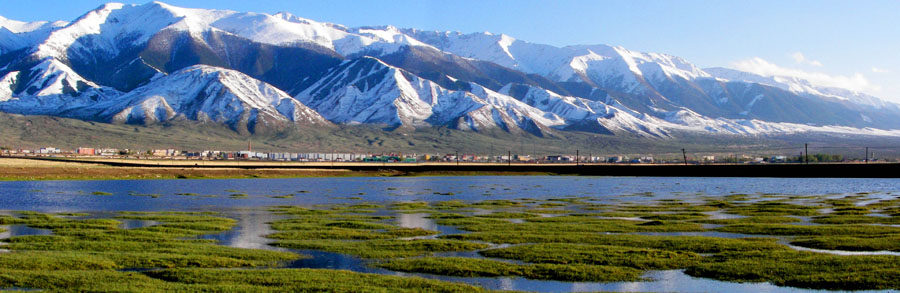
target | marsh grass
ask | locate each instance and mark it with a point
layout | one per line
(697, 244)
(305, 280)
(891, 243)
(96, 244)
(775, 208)
(751, 220)
(854, 219)
(804, 230)
(217, 280)
(383, 249)
(802, 269)
(564, 253)
(473, 267)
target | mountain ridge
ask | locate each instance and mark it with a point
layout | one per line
(124, 63)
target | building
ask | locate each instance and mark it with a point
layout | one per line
(108, 152)
(48, 150)
(85, 151)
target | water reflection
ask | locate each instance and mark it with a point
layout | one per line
(421, 220)
(135, 224)
(252, 226)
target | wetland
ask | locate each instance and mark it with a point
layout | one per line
(451, 234)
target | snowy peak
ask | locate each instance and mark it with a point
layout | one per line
(801, 86)
(211, 94)
(367, 90)
(51, 77)
(16, 35)
(20, 27)
(107, 29)
(387, 76)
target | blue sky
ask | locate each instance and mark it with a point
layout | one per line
(853, 44)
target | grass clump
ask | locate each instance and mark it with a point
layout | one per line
(217, 280)
(891, 243)
(100, 193)
(508, 215)
(769, 208)
(383, 249)
(676, 216)
(305, 280)
(341, 226)
(473, 267)
(854, 219)
(98, 244)
(562, 253)
(802, 269)
(817, 230)
(697, 244)
(752, 220)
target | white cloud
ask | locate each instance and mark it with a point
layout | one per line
(855, 82)
(801, 59)
(880, 70)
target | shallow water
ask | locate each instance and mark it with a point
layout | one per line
(22, 230)
(205, 194)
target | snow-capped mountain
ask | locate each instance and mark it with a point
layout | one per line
(123, 63)
(367, 90)
(207, 94)
(15, 35)
(49, 88)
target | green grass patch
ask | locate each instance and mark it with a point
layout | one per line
(563, 253)
(472, 267)
(383, 249)
(752, 220)
(816, 230)
(697, 244)
(802, 269)
(770, 208)
(891, 242)
(306, 280)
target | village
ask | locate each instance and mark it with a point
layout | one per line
(393, 157)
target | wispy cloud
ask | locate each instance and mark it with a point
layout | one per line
(856, 82)
(801, 59)
(880, 70)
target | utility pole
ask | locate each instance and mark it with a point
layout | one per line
(576, 157)
(457, 158)
(867, 155)
(806, 149)
(508, 158)
(684, 154)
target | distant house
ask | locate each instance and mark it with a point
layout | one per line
(85, 151)
(558, 159)
(48, 150)
(108, 152)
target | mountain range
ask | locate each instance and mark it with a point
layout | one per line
(256, 72)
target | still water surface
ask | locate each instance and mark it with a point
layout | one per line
(253, 219)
